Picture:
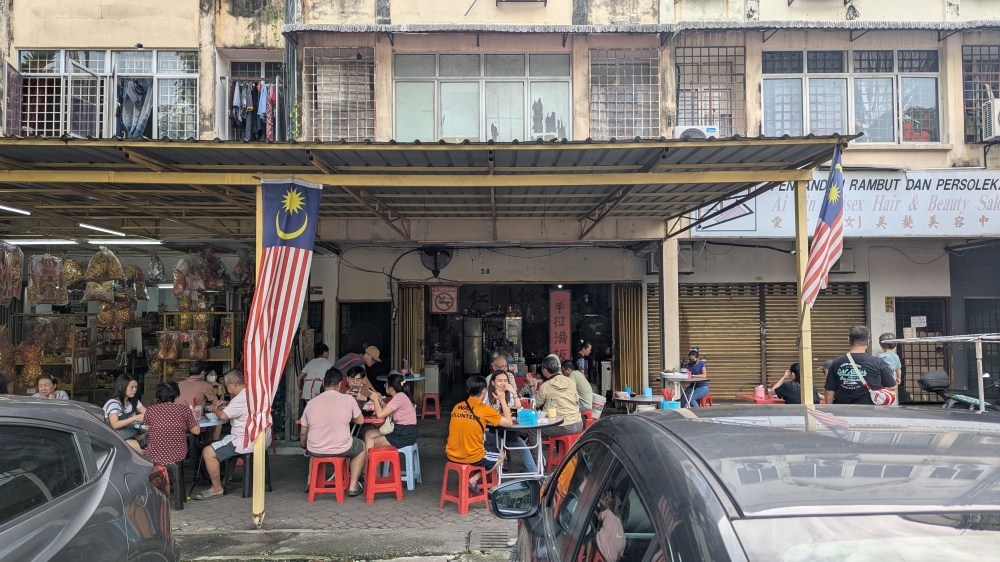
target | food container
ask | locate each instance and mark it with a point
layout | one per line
(647, 392)
(758, 391)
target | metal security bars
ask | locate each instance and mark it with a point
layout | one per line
(624, 94)
(711, 88)
(980, 70)
(340, 92)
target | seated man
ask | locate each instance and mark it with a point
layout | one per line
(199, 387)
(467, 429)
(366, 360)
(326, 428)
(559, 392)
(583, 388)
(230, 446)
(788, 388)
(357, 386)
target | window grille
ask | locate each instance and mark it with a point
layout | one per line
(711, 88)
(781, 62)
(340, 88)
(177, 99)
(873, 61)
(134, 62)
(273, 69)
(825, 62)
(980, 69)
(244, 70)
(918, 61)
(624, 94)
(86, 103)
(41, 111)
(177, 62)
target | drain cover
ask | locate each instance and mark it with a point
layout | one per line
(488, 540)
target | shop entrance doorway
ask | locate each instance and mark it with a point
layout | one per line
(364, 324)
(982, 316)
(921, 357)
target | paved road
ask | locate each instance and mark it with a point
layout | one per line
(221, 529)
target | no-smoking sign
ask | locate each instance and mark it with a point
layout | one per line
(444, 299)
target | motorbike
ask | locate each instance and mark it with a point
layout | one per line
(938, 382)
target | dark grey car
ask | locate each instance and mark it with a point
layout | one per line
(768, 483)
(71, 489)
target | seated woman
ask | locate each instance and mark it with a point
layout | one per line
(501, 386)
(467, 429)
(123, 409)
(168, 424)
(789, 389)
(47, 389)
(404, 417)
(698, 390)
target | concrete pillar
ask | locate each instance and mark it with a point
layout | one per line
(668, 90)
(383, 88)
(580, 58)
(753, 83)
(207, 79)
(670, 303)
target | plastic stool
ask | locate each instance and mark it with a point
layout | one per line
(464, 496)
(318, 483)
(411, 468)
(587, 414)
(588, 423)
(560, 444)
(437, 406)
(706, 400)
(388, 483)
(247, 460)
(175, 472)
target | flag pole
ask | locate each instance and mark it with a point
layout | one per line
(259, 446)
(805, 321)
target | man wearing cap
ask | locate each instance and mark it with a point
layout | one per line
(363, 360)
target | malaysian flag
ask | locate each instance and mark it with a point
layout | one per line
(289, 211)
(837, 425)
(828, 240)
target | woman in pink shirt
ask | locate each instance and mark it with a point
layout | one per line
(404, 416)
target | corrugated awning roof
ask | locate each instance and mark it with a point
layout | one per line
(181, 189)
(682, 26)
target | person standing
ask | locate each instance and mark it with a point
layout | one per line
(311, 377)
(364, 360)
(696, 368)
(889, 356)
(47, 389)
(843, 386)
(581, 359)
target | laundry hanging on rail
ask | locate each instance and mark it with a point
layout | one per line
(134, 107)
(250, 112)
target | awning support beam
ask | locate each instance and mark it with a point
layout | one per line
(805, 313)
(599, 212)
(493, 197)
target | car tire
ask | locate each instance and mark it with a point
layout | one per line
(519, 552)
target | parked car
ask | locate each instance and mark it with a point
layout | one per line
(71, 489)
(763, 483)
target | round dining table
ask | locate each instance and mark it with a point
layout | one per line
(536, 448)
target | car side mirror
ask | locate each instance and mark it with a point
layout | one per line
(516, 500)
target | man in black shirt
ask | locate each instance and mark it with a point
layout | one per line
(843, 385)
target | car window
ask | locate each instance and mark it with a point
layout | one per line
(102, 453)
(574, 478)
(618, 528)
(37, 465)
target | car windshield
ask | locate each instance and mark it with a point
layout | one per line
(848, 459)
(958, 537)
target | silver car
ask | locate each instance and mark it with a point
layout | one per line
(71, 489)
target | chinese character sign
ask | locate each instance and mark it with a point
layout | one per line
(559, 330)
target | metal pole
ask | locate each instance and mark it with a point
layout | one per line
(805, 313)
(979, 373)
(259, 446)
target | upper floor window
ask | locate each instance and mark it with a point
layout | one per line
(498, 97)
(888, 95)
(624, 94)
(339, 86)
(252, 101)
(980, 70)
(102, 93)
(711, 88)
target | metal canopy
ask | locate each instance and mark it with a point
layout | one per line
(176, 190)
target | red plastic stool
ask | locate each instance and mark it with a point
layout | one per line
(706, 401)
(465, 496)
(437, 406)
(560, 444)
(317, 477)
(392, 482)
(588, 423)
(587, 415)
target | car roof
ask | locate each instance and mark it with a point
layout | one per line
(822, 460)
(26, 407)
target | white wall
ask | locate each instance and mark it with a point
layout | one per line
(892, 268)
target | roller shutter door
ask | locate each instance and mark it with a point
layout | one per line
(654, 335)
(723, 322)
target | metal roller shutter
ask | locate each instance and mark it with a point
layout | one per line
(837, 308)
(654, 336)
(781, 327)
(723, 322)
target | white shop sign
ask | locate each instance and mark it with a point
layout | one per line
(947, 202)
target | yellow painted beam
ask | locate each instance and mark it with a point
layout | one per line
(407, 180)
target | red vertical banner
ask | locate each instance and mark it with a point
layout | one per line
(559, 331)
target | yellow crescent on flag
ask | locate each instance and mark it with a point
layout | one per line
(289, 236)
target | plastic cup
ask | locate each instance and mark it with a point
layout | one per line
(551, 413)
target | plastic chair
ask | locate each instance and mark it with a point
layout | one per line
(706, 401)
(463, 496)
(437, 406)
(411, 468)
(247, 460)
(391, 482)
(560, 444)
(175, 471)
(318, 483)
(587, 415)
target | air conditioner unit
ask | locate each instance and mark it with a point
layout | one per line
(991, 120)
(697, 132)
(846, 262)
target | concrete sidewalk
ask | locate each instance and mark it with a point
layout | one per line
(222, 528)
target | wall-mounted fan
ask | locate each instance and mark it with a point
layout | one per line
(435, 259)
(360, 336)
(597, 331)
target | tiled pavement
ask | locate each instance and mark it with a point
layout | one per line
(353, 528)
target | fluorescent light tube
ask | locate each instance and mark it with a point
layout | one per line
(124, 241)
(40, 242)
(100, 229)
(14, 210)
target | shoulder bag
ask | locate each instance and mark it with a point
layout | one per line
(880, 397)
(388, 426)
